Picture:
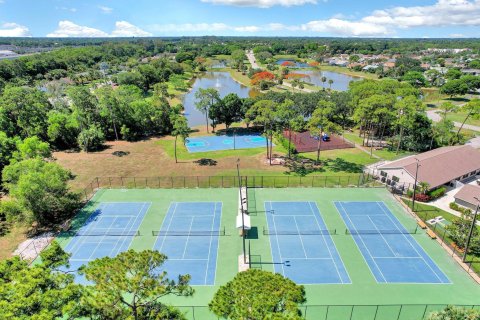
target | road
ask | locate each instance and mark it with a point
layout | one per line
(251, 58)
(475, 142)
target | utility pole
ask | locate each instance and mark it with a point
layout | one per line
(415, 185)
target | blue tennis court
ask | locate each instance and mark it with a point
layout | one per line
(107, 232)
(189, 238)
(302, 248)
(225, 142)
(392, 254)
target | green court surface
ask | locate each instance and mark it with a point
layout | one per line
(324, 301)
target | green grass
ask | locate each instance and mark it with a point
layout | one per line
(460, 117)
(349, 72)
(384, 153)
(364, 290)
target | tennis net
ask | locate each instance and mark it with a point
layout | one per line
(268, 232)
(192, 233)
(397, 231)
(107, 233)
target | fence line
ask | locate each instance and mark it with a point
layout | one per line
(345, 312)
(180, 182)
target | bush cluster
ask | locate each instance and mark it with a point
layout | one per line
(460, 209)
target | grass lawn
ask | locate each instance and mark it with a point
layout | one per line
(384, 154)
(460, 117)
(348, 72)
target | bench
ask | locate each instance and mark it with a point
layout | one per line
(431, 234)
(421, 224)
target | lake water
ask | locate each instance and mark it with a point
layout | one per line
(223, 82)
(340, 80)
(297, 64)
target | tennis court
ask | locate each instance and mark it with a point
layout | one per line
(108, 231)
(224, 142)
(301, 245)
(391, 252)
(189, 238)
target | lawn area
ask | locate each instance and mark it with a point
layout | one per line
(460, 117)
(384, 154)
(237, 76)
(348, 72)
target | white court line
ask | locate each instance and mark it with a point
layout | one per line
(132, 225)
(169, 224)
(188, 237)
(366, 248)
(325, 241)
(278, 245)
(210, 243)
(381, 235)
(408, 240)
(300, 236)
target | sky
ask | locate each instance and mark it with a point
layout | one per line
(311, 18)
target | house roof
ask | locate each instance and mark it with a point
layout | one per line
(468, 193)
(441, 165)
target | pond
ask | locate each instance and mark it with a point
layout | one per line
(296, 64)
(340, 80)
(223, 82)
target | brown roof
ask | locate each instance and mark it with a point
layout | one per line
(441, 165)
(468, 194)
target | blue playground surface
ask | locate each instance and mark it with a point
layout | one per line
(189, 238)
(302, 248)
(392, 257)
(225, 142)
(107, 232)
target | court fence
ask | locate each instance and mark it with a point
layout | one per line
(345, 312)
(181, 182)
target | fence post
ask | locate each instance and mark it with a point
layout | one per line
(158, 182)
(198, 183)
(325, 182)
(146, 182)
(274, 182)
(86, 197)
(193, 312)
(376, 312)
(209, 184)
(184, 182)
(288, 181)
(326, 314)
(171, 179)
(348, 182)
(222, 181)
(98, 184)
(110, 182)
(425, 311)
(351, 311)
(121, 179)
(262, 182)
(339, 180)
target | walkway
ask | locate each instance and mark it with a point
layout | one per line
(435, 117)
(251, 59)
(289, 85)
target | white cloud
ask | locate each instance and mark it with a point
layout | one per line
(105, 9)
(69, 29)
(247, 29)
(191, 27)
(126, 29)
(262, 3)
(442, 13)
(11, 29)
(345, 28)
(122, 29)
(457, 35)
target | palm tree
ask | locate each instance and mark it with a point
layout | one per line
(424, 186)
(324, 79)
(330, 82)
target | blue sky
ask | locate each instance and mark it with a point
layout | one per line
(342, 18)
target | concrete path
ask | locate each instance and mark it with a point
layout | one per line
(289, 85)
(251, 58)
(435, 117)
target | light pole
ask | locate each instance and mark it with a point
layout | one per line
(415, 185)
(471, 230)
(242, 212)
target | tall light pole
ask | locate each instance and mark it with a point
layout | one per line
(415, 185)
(471, 230)
(242, 211)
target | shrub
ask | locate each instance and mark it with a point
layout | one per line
(262, 76)
(284, 142)
(454, 206)
(460, 209)
(422, 197)
(437, 193)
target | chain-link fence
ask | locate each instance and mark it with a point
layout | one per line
(345, 312)
(177, 182)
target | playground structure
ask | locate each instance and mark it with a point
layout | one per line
(305, 142)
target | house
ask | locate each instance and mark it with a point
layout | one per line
(468, 196)
(473, 72)
(442, 166)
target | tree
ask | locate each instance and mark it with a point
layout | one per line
(330, 82)
(7, 147)
(455, 313)
(446, 108)
(39, 291)
(472, 109)
(323, 79)
(206, 98)
(180, 128)
(286, 115)
(63, 129)
(258, 294)
(229, 109)
(31, 148)
(454, 88)
(263, 113)
(91, 139)
(130, 286)
(415, 78)
(407, 108)
(319, 123)
(434, 77)
(423, 186)
(459, 231)
(41, 188)
(453, 74)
